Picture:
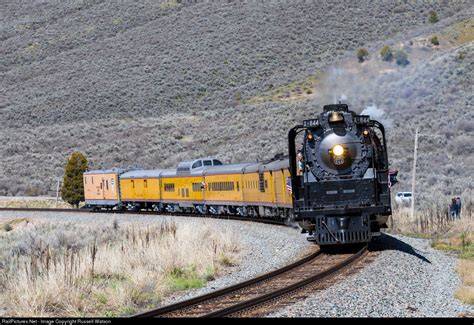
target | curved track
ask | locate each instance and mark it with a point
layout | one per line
(246, 296)
(178, 214)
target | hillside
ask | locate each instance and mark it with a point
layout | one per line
(152, 83)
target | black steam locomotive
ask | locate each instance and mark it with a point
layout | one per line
(341, 182)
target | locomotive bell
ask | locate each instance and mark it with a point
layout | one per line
(336, 117)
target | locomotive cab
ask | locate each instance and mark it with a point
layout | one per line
(342, 195)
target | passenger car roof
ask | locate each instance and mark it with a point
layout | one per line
(142, 173)
(106, 171)
(225, 169)
(277, 164)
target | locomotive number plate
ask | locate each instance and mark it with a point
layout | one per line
(311, 123)
(338, 161)
(362, 119)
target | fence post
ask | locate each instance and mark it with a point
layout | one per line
(57, 193)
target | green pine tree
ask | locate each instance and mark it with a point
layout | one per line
(73, 186)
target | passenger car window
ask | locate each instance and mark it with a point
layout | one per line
(207, 163)
(216, 162)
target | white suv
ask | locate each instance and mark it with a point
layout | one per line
(403, 198)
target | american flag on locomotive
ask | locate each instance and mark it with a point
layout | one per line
(288, 185)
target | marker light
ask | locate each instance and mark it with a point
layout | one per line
(338, 150)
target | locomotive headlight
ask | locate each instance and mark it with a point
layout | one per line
(365, 132)
(338, 150)
(310, 136)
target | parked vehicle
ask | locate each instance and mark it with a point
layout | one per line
(403, 198)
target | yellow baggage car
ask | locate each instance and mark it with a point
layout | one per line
(101, 188)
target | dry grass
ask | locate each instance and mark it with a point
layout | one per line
(295, 90)
(31, 202)
(459, 33)
(466, 271)
(432, 219)
(13, 224)
(72, 270)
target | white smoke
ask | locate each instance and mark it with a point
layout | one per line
(374, 112)
(377, 114)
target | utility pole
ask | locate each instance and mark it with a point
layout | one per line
(413, 177)
(57, 193)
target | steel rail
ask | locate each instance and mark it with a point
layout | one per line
(298, 285)
(215, 294)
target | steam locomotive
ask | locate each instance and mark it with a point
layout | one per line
(341, 188)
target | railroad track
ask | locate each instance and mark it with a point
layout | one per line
(249, 298)
(178, 214)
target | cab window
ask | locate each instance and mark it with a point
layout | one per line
(197, 164)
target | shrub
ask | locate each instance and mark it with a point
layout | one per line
(386, 53)
(7, 227)
(434, 40)
(461, 55)
(433, 17)
(401, 57)
(362, 54)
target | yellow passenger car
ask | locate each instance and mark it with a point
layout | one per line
(280, 173)
(141, 189)
(184, 188)
(224, 185)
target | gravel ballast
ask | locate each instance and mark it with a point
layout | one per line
(407, 279)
